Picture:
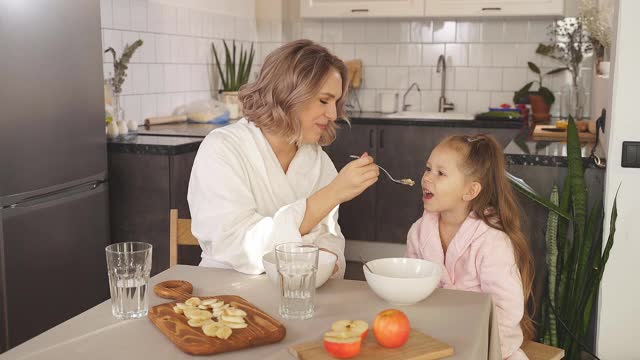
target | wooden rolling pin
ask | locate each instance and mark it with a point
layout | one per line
(165, 120)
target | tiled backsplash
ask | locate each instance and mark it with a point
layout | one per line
(174, 65)
(487, 60)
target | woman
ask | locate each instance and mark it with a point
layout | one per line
(265, 180)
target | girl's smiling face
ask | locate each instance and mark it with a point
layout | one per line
(445, 187)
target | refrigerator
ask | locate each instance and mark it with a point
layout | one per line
(53, 165)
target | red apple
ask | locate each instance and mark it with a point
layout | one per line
(342, 347)
(391, 328)
(358, 327)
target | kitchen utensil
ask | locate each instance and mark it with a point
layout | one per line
(354, 71)
(365, 264)
(408, 182)
(165, 120)
(418, 347)
(550, 132)
(262, 329)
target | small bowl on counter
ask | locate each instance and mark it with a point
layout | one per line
(402, 281)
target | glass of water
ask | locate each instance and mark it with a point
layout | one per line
(129, 266)
(297, 266)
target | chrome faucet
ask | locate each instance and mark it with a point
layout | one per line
(405, 106)
(443, 105)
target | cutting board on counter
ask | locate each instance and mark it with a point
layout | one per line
(418, 347)
(550, 132)
(262, 329)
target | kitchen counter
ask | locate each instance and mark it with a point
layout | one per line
(376, 118)
(154, 145)
(523, 150)
(172, 139)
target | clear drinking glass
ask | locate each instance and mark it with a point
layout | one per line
(297, 266)
(129, 266)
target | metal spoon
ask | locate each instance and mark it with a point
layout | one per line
(408, 182)
(365, 264)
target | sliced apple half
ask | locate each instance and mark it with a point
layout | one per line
(351, 328)
(341, 345)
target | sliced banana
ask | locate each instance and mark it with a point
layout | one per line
(197, 322)
(183, 305)
(224, 332)
(190, 312)
(194, 301)
(197, 314)
(235, 325)
(211, 328)
(217, 305)
(203, 314)
(203, 307)
(234, 312)
(209, 302)
(177, 310)
(232, 319)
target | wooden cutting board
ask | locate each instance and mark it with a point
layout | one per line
(262, 329)
(418, 347)
(539, 133)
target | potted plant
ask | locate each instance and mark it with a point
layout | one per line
(597, 21)
(569, 46)
(575, 256)
(236, 73)
(540, 100)
(118, 125)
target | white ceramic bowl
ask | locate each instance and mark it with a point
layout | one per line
(326, 264)
(402, 281)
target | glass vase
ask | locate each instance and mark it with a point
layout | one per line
(118, 110)
(573, 100)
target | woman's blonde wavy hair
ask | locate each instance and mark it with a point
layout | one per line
(290, 76)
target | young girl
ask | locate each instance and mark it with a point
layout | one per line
(471, 226)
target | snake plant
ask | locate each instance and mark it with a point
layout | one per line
(236, 71)
(574, 281)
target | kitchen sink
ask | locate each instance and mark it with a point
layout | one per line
(430, 115)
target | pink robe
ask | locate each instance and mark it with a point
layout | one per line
(479, 258)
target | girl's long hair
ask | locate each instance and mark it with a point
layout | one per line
(496, 205)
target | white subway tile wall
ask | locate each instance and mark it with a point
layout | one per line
(175, 65)
(486, 60)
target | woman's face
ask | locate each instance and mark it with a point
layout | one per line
(316, 114)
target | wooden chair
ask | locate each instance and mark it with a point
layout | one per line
(179, 234)
(538, 351)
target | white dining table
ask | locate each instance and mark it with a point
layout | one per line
(464, 320)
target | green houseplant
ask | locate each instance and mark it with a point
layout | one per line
(236, 73)
(575, 257)
(542, 99)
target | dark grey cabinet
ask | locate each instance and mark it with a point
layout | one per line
(386, 211)
(356, 216)
(143, 188)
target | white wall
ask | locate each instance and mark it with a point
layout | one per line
(619, 315)
(241, 8)
(174, 65)
(487, 59)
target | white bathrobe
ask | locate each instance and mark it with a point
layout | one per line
(243, 204)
